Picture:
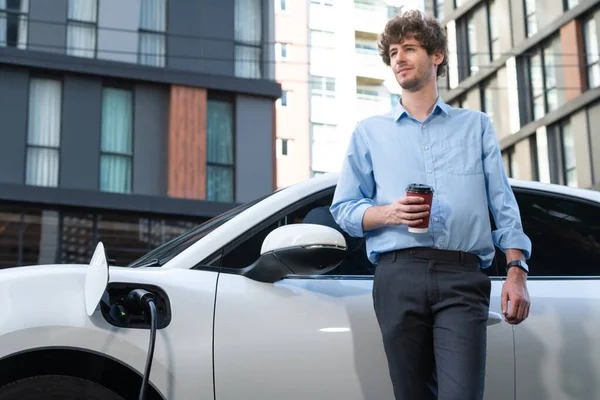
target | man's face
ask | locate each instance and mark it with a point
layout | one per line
(411, 64)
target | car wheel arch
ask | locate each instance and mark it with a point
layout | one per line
(76, 362)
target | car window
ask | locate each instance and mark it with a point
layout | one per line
(162, 254)
(565, 235)
(314, 210)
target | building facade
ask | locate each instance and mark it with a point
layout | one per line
(129, 122)
(338, 78)
(534, 67)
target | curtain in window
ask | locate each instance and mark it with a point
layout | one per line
(81, 36)
(248, 36)
(220, 151)
(153, 21)
(116, 141)
(43, 135)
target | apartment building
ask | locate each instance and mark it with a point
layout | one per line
(534, 67)
(339, 78)
(129, 122)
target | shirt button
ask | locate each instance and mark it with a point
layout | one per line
(422, 126)
(436, 219)
(429, 171)
(439, 246)
(426, 147)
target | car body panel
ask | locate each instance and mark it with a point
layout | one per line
(44, 307)
(557, 348)
(318, 338)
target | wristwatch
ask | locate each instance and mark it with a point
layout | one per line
(518, 263)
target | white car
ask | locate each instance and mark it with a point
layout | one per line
(249, 307)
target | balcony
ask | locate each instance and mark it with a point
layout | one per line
(323, 110)
(366, 107)
(369, 18)
(370, 69)
(321, 15)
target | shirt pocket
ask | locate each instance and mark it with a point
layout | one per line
(461, 157)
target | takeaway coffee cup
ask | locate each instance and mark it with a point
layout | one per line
(426, 192)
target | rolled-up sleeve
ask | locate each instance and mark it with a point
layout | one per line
(501, 199)
(356, 186)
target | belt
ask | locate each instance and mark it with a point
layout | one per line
(427, 253)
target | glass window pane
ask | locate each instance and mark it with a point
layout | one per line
(10, 227)
(42, 167)
(15, 5)
(219, 182)
(77, 238)
(83, 10)
(151, 50)
(117, 116)
(564, 232)
(81, 40)
(473, 51)
(220, 132)
(248, 62)
(164, 230)
(248, 21)
(44, 112)
(153, 15)
(115, 173)
(538, 107)
(40, 237)
(125, 238)
(594, 75)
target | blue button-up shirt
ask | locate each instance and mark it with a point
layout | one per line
(457, 153)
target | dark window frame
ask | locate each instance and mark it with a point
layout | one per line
(77, 22)
(226, 98)
(10, 13)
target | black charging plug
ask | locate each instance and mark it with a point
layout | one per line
(140, 298)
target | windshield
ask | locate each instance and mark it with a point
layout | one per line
(162, 254)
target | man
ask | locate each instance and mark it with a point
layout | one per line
(431, 297)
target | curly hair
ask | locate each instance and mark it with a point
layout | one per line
(426, 29)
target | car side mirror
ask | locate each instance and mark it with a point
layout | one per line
(297, 249)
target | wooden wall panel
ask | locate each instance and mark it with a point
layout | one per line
(187, 143)
(571, 38)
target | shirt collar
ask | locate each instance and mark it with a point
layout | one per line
(399, 111)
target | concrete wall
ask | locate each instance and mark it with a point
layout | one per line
(150, 139)
(80, 132)
(254, 148)
(51, 34)
(202, 36)
(119, 44)
(13, 130)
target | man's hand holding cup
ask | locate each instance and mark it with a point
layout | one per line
(413, 210)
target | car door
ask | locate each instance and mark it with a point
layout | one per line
(558, 348)
(315, 336)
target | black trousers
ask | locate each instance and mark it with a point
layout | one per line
(432, 308)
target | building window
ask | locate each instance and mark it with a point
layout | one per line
(568, 4)
(531, 20)
(439, 9)
(493, 31)
(592, 51)
(43, 132)
(117, 141)
(152, 38)
(248, 38)
(568, 151)
(488, 101)
(220, 164)
(284, 147)
(543, 78)
(395, 98)
(282, 51)
(81, 28)
(327, 3)
(281, 5)
(321, 86)
(13, 23)
(472, 42)
(283, 101)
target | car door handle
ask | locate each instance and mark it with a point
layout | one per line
(493, 318)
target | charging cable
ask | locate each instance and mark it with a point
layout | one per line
(145, 300)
